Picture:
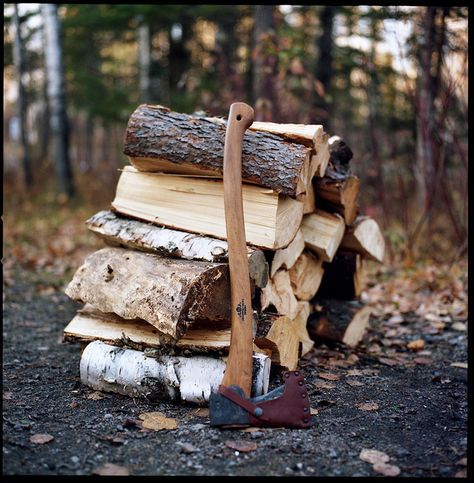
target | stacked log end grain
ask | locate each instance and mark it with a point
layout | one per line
(156, 315)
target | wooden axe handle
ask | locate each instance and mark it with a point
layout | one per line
(239, 363)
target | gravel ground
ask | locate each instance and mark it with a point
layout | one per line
(416, 412)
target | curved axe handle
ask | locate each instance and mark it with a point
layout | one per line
(239, 363)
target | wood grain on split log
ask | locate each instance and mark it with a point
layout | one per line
(306, 275)
(197, 205)
(365, 237)
(279, 294)
(338, 321)
(110, 368)
(159, 139)
(286, 257)
(307, 134)
(168, 293)
(126, 232)
(323, 233)
(300, 325)
(343, 277)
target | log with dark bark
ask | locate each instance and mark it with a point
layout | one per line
(159, 139)
(338, 321)
(170, 294)
(343, 277)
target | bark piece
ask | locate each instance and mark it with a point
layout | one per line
(338, 321)
(279, 294)
(286, 257)
(306, 275)
(91, 324)
(110, 368)
(196, 204)
(323, 233)
(121, 231)
(168, 293)
(365, 237)
(339, 196)
(343, 277)
(159, 139)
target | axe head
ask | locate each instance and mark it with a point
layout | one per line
(286, 406)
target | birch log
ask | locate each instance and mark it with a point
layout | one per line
(168, 293)
(110, 368)
(126, 232)
(158, 139)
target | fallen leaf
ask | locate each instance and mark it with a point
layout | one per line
(416, 345)
(74, 405)
(7, 395)
(462, 462)
(461, 473)
(462, 365)
(422, 360)
(41, 438)
(354, 383)
(201, 412)
(324, 385)
(459, 326)
(109, 469)
(95, 396)
(118, 440)
(157, 421)
(386, 470)
(354, 372)
(187, 448)
(241, 445)
(388, 362)
(329, 376)
(371, 406)
(373, 456)
(395, 320)
(352, 359)
(313, 411)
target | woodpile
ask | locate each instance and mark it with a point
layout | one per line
(158, 293)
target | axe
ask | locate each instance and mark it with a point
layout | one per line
(231, 406)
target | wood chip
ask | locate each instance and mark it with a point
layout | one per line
(241, 445)
(329, 376)
(388, 362)
(109, 469)
(313, 411)
(157, 421)
(462, 365)
(423, 360)
(370, 406)
(324, 385)
(373, 456)
(41, 438)
(459, 326)
(416, 345)
(354, 383)
(252, 429)
(95, 396)
(386, 470)
(201, 412)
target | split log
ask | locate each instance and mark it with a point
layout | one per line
(307, 134)
(338, 321)
(306, 276)
(300, 325)
(343, 277)
(319, 161)
(170, 294)
(286, 257)
(196, 204)
(110, 368)
(279, 294)
(158, 139)
(323, 233)
(91, 324)
(365, 237)
(125, 232)
(339, 196)
(283, 334)
(309, 200)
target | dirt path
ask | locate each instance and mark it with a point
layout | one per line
(415, 411)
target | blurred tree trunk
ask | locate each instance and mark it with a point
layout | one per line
(56, 99)
(144, 62)
(179, 60)
(324, 68)
(265, 57)
(22, 104)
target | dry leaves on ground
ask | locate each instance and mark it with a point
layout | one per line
(41, 438)
(370, 406)
(329, 376)
(157, 421)
(379, 461)
(109, 469)
(241, 445)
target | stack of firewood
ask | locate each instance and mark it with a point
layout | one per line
(157, 295)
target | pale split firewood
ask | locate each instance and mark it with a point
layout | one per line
(168, 293)
(91, 324)
(323, 233)
(309, 200)
(158, 139)
(306, 134)
(110, 368)
(306, 275)
(126, 232)
(338, 321)
(339, 196)
(197, 205)
(320, 160)
(286, 257)
(365, 237)
(279, 294)
(343, 277)
(300, 321)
